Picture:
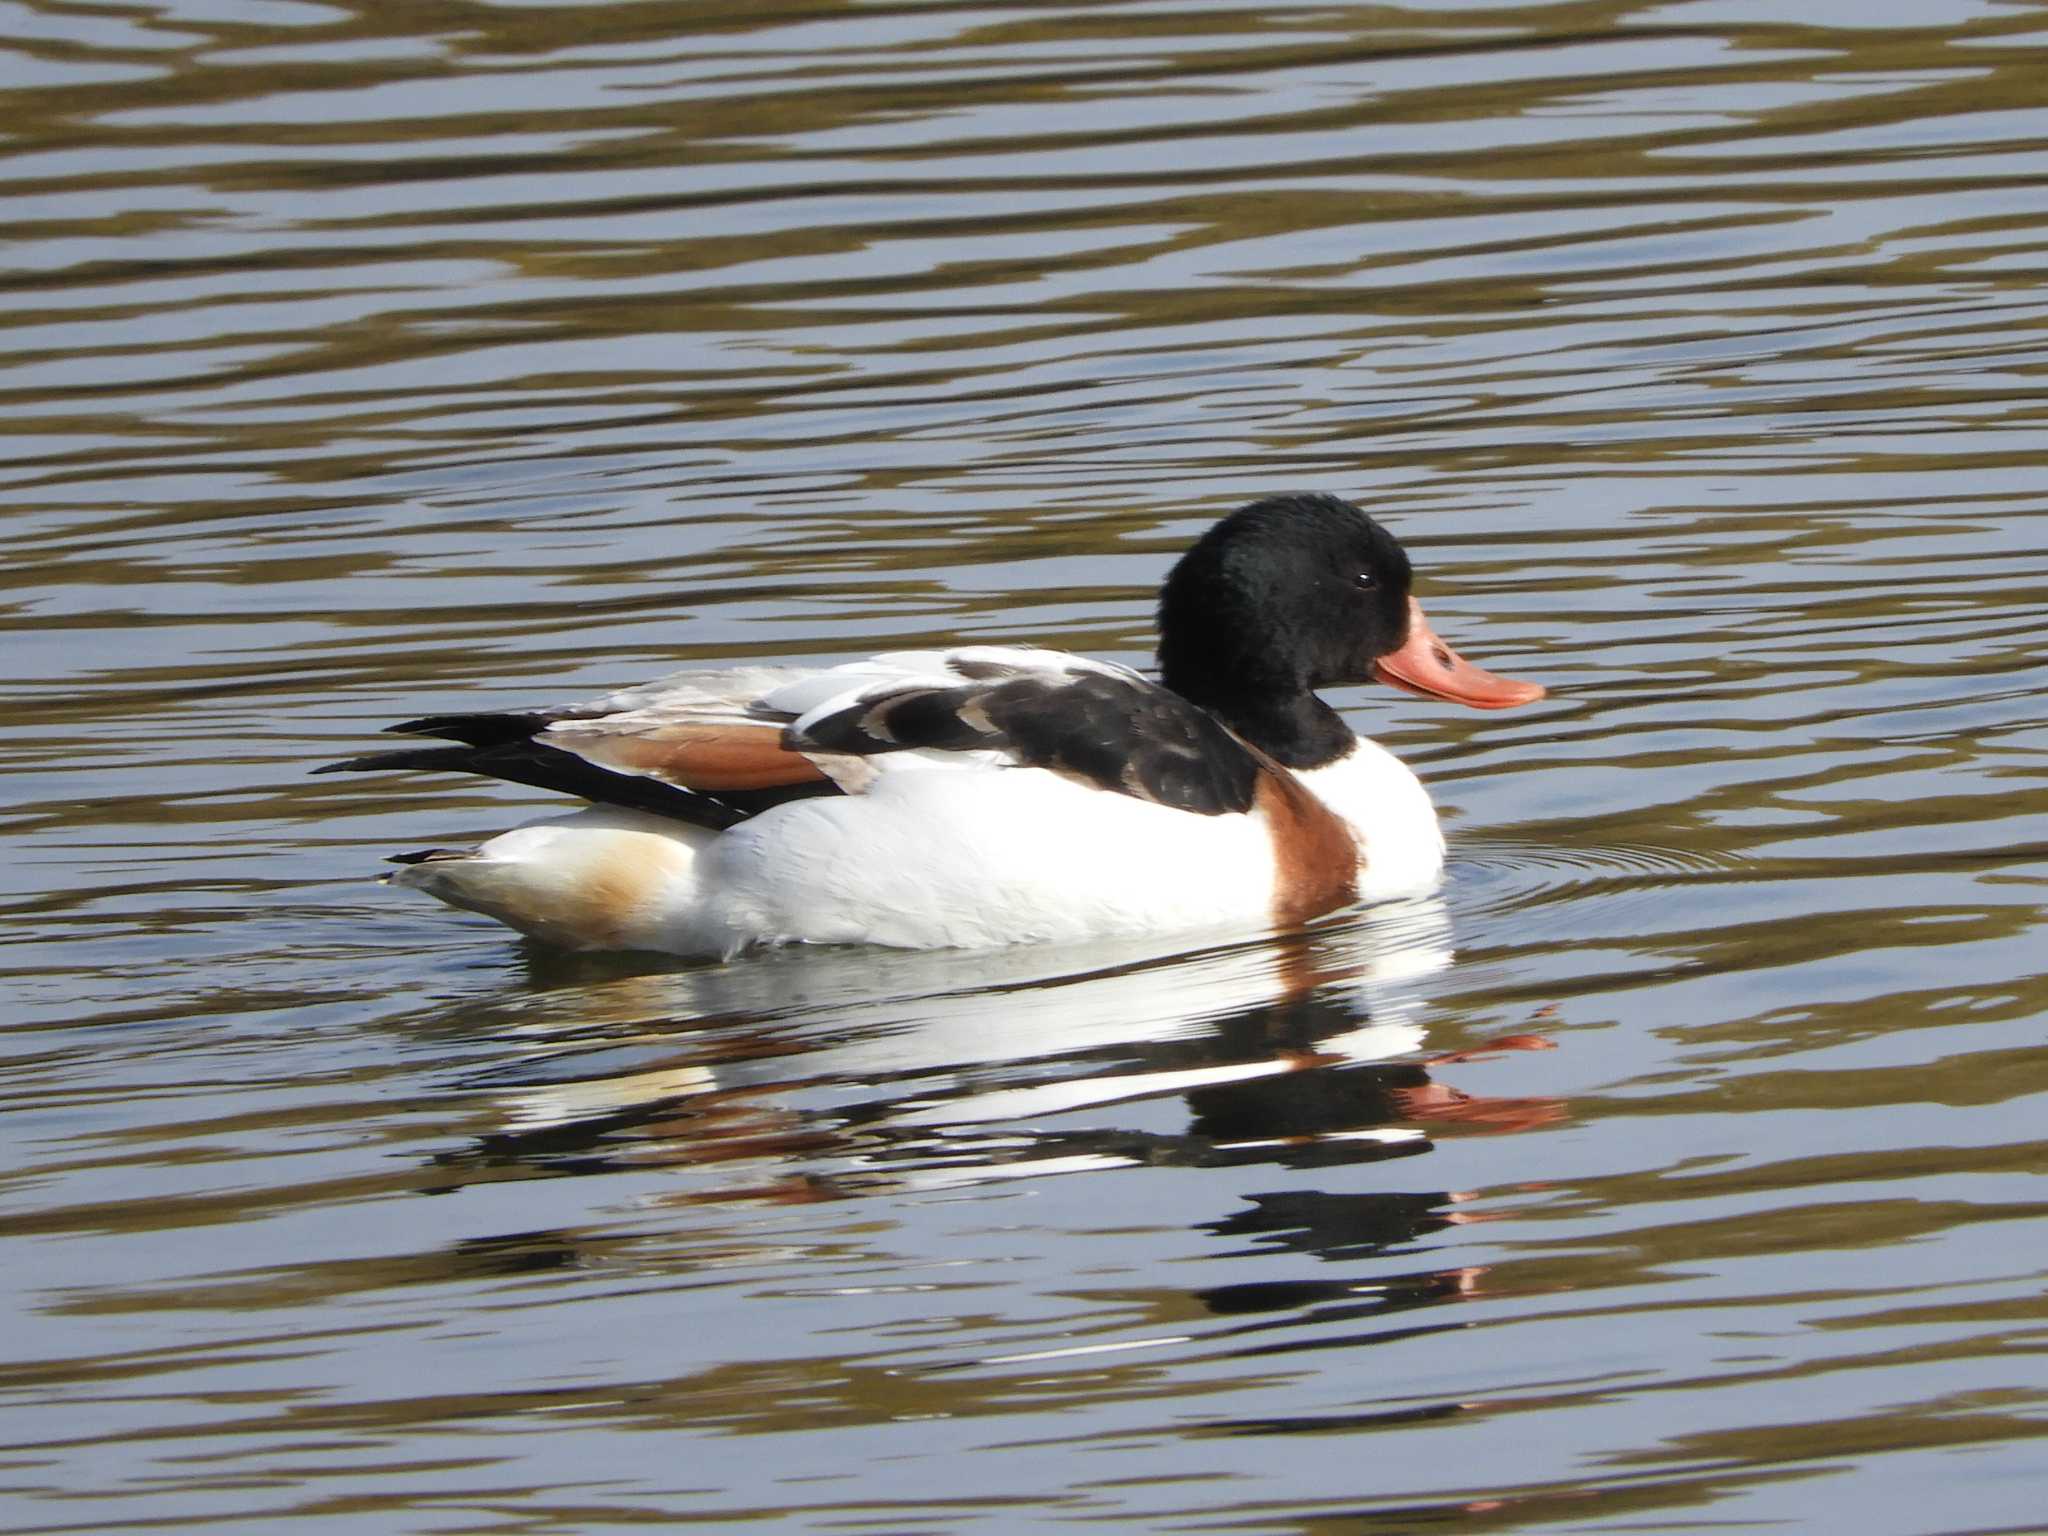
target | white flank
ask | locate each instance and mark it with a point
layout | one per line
(929, 858)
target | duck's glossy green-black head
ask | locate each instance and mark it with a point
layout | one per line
(1301, 592)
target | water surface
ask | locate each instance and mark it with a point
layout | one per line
(364, 360)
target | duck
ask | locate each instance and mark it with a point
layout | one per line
(986, 795)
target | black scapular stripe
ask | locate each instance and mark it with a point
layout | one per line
(1123, 734)
(528, 762)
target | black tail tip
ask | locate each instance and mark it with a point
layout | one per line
(426, 856)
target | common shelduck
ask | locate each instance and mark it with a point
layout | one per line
(987, 795)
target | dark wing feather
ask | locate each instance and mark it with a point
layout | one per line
(483, 730)
(1120, 732)
(691, 747)
(529, 762)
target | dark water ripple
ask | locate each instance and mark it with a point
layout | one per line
(354, 358)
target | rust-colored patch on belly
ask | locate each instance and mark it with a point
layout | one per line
(615, 891)
(599, 893)
(1315, 857)
(710, 755)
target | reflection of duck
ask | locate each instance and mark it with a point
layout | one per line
(1083, 1104)
(934, 1070)
(989, 795)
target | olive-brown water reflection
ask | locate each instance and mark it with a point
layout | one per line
(363, 359)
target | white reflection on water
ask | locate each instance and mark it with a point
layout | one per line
(951, 1041)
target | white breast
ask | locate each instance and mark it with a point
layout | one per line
(1401, 845)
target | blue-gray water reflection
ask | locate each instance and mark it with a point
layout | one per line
(365, 360)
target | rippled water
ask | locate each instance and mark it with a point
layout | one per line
(367, 360)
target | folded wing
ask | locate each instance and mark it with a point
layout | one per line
(715, 748)
(1105, 725)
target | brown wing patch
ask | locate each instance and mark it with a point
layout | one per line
(706, 755)
(1315, 857)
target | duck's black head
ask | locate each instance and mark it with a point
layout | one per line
(1295, 593)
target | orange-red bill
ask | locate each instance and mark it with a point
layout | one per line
(1425, 665)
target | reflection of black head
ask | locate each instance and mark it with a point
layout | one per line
(1337, 1226)
(1305, 1104)
(1342, 1229)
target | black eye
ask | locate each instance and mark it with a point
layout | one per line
(1366, 580)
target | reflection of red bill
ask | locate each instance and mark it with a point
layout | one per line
(1425, 665)
(1441, 1104)
(1498, 1043)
